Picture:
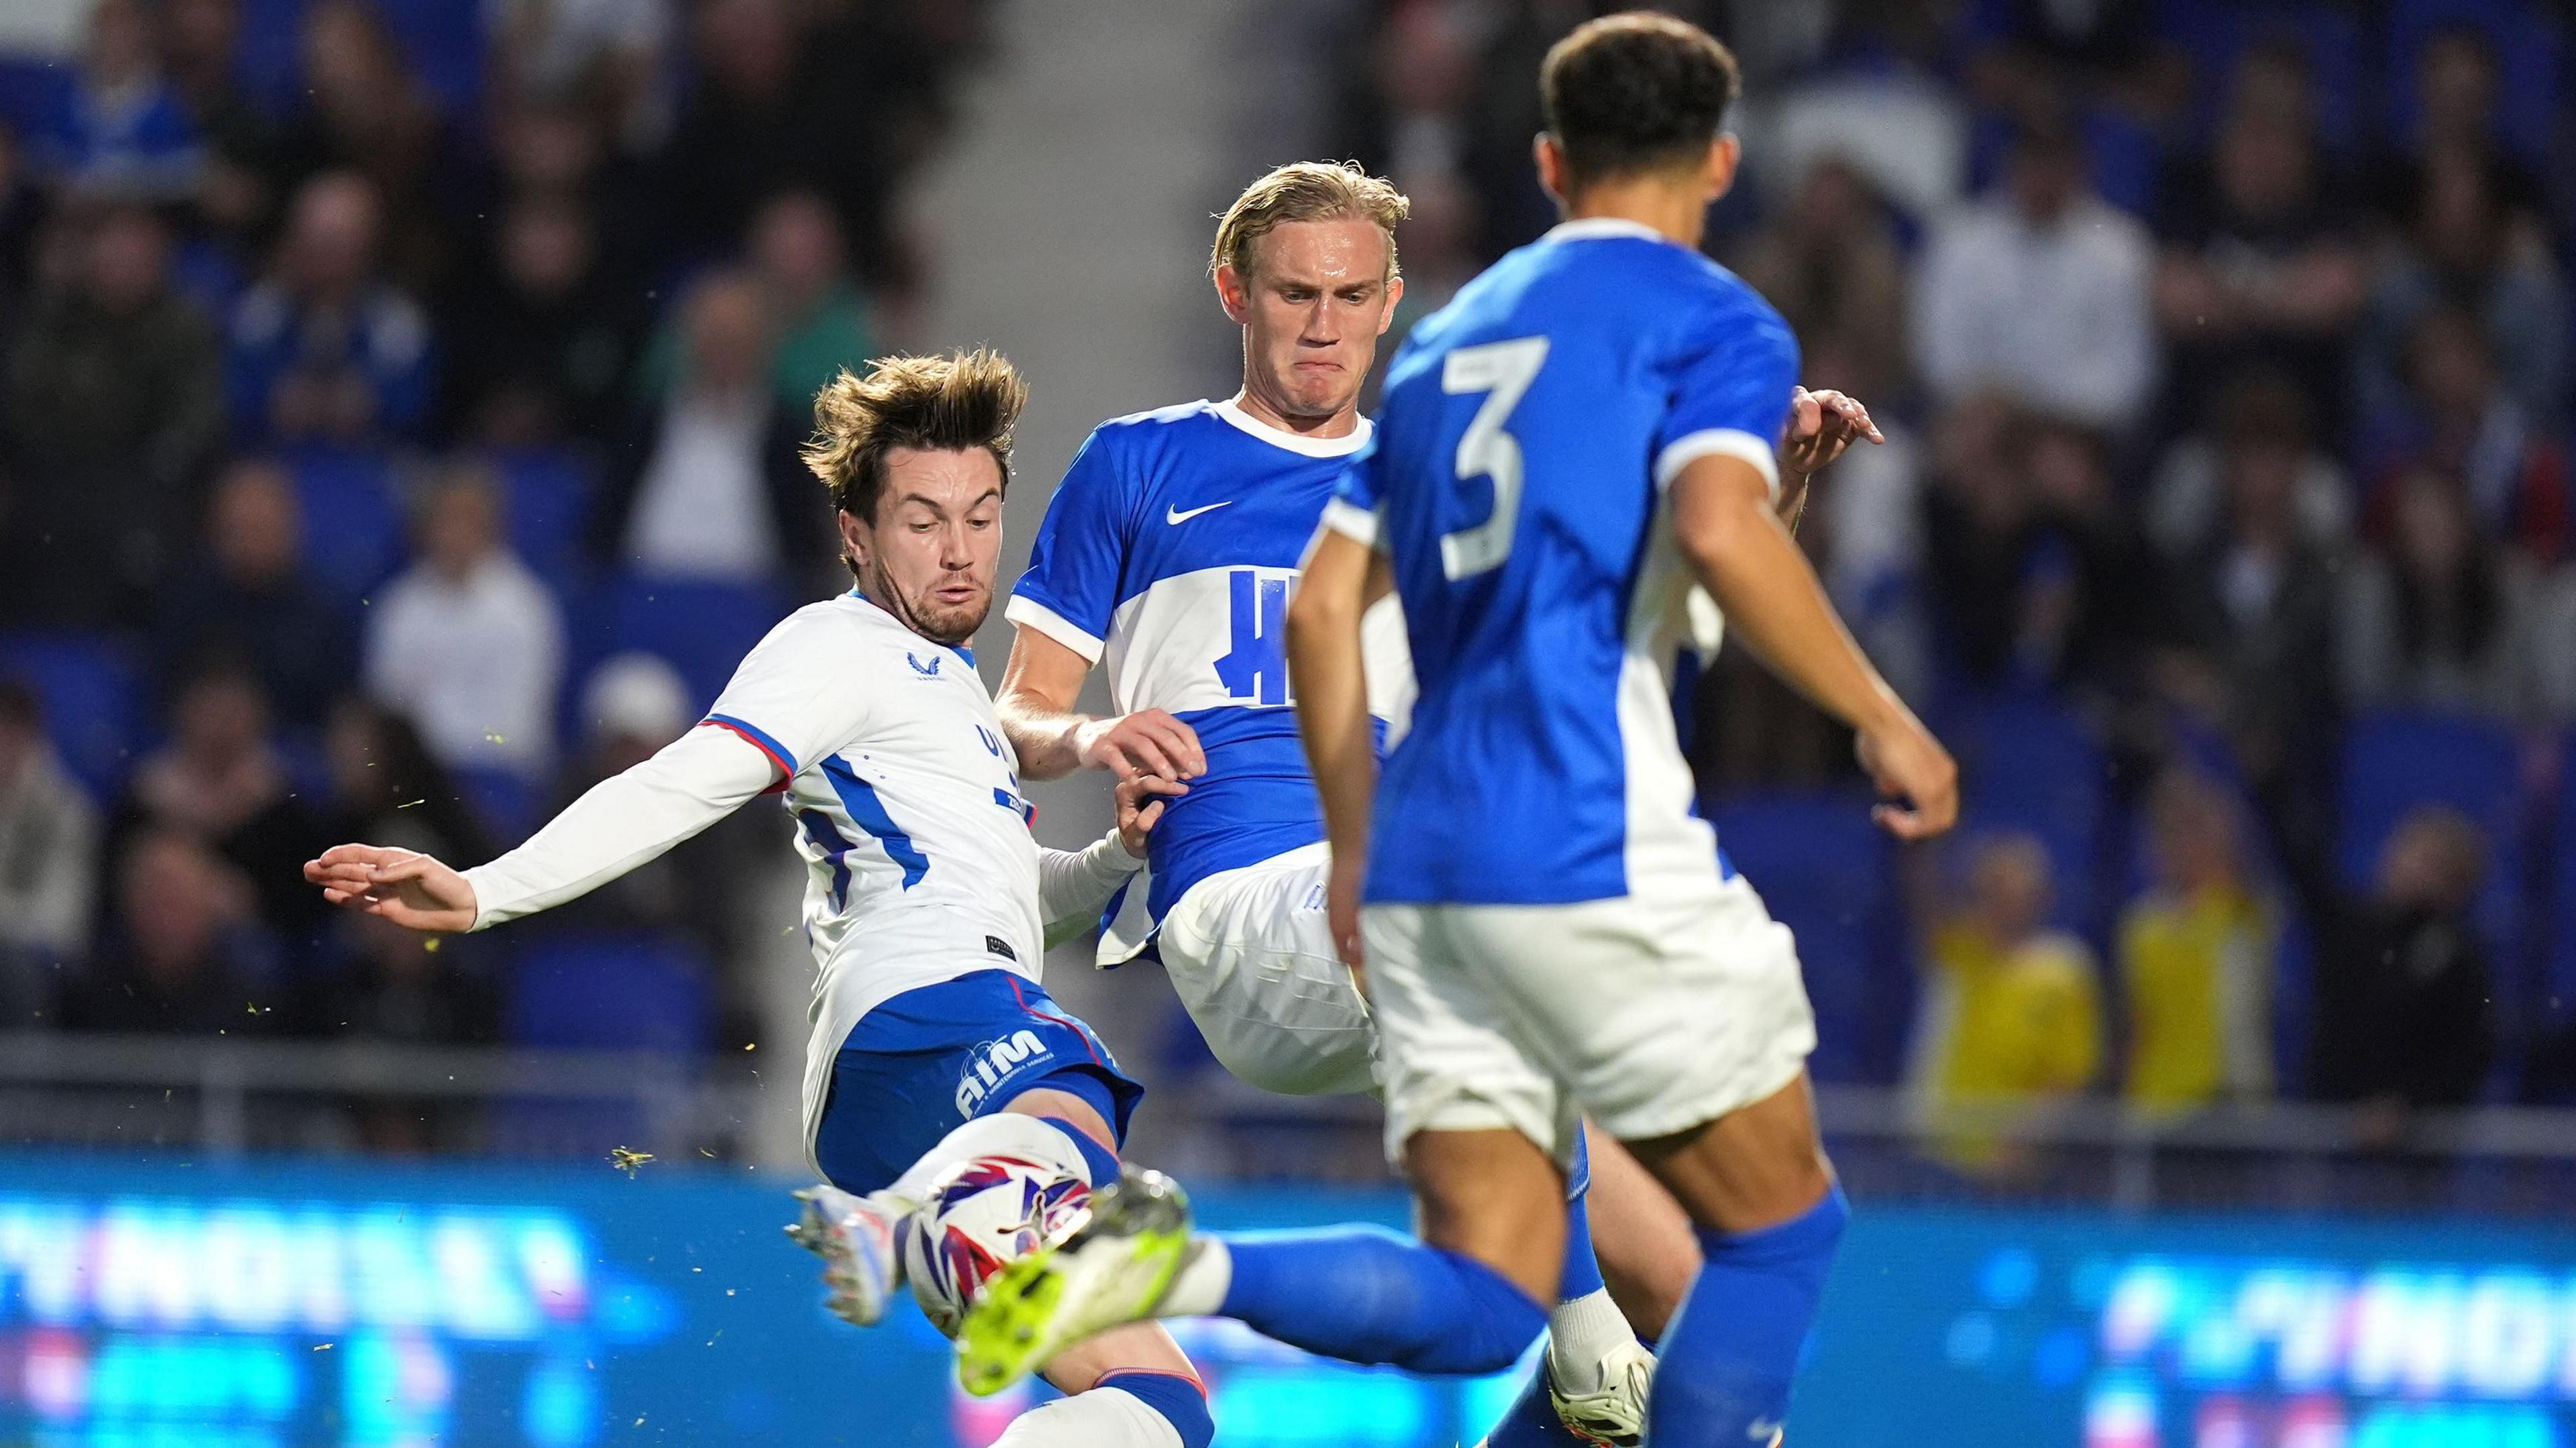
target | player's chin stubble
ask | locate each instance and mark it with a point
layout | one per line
(951, 624)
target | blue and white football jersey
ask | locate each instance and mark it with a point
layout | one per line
(1516, 482)
(920, 867)
(1169, 551)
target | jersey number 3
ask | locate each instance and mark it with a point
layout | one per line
(1502, 371)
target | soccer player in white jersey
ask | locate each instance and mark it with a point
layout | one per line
(1585, 434)
(935, 1051)
(1169, 553)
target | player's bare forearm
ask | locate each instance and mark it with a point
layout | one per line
(1741, 550)
(1035, 703)
(1052, 738)
(1330, 680)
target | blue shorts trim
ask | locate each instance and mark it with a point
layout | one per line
(930, 1060)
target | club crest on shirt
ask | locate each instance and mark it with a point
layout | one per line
(929, 670)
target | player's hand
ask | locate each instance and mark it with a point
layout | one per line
(1140, 808)
(1149, 741)
(1821, 425)
(1342, 913)
(404, 886)
(1915, 775)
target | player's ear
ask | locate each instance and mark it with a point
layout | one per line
(1235, 293)
(854, 536)
(1550, 158)
(1394, 295)
(1723, 155)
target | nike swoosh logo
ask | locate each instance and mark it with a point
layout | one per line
(1175, 516)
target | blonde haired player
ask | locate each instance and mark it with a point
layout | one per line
(1169, 554)
(927, 902)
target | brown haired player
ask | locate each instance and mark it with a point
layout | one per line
(939, 1069)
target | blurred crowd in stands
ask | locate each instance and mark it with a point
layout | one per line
(397, 411)
(2223, 525)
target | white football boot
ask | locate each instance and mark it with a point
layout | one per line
(1613, 1416)
(855, 1237)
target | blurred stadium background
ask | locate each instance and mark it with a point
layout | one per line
(395, 398)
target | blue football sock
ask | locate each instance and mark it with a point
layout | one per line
(1731, 1351)
(1581, 1276)
(1366, 1295)
(1181, 1402)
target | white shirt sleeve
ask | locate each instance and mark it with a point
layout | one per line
(622, 822)
(1073, 885)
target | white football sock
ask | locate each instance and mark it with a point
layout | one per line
(1199, 1288)
(1101, 1418)
(1004, 1133)
(1581, 1336)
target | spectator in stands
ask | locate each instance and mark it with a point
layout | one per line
(325, 349)
(385, 785)
(634, 704)
(1831, 264)
(222, 780)
(363, 111)
(114, 413)
(186, 955)
(2042, 293)
(467, 641)
(2248, 615)
(708, 484)
(2197, 957)
(543, 345)
(748, 127)
(48, 861)
(2439, 616)
(611, 49)
(2463, 248)
(821, 319)
(2012, 1016)
(2252, 408)
(119, 129)
(248, 599)
(2404, 998)
(2457, 90)
(2260, 262)
(2459, 416)
(237, 195)
(2036, 574)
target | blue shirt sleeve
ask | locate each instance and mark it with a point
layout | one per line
(1731, 386)
(1071, 586)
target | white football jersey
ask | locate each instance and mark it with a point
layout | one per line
(906, 797)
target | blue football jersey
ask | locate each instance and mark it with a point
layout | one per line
(1168, 555)
(1516, 484)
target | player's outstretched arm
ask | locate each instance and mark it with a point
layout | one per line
(619, 824)
(1074, 886)
(1329, 676)
(1743, 554)
(1053, 739)
(1821, 426)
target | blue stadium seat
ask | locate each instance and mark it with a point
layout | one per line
(2559, 985)
(2217, 33)
(31, 91)
(634, 992)
(442, 42)
(2393, 763)
(91, 685)
(2030, 765)
(701, 629)
(1828, 874)
(353, 520)
(507, 803)
(549, 498)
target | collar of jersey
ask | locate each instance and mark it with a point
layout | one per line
(1595, 228)
(959, 650)
(1313, 447)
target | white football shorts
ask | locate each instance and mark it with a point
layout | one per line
(1652, 1013)
(1251, 957)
